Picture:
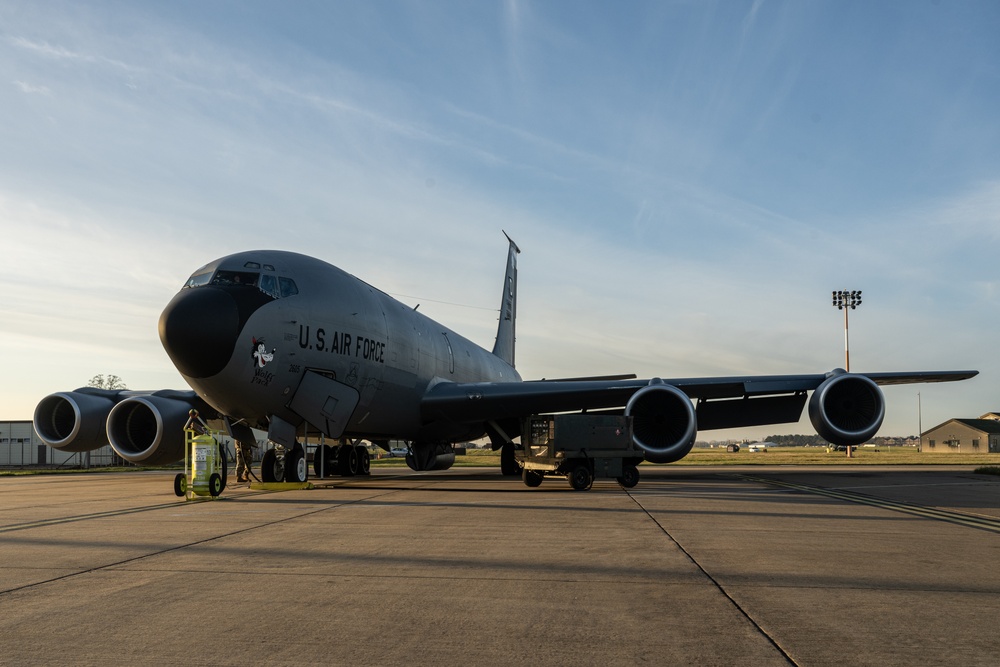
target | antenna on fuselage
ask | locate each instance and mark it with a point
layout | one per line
(504, 346)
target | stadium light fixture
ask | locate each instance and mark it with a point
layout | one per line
(846, 300)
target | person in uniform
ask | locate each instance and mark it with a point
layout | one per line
(244, 458)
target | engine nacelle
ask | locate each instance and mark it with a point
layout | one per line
(423, 457)
(664, 424)
(73, 421)
(847, 409)
(149, 429)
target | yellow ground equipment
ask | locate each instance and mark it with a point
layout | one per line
(204, 462)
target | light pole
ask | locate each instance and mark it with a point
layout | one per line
(846, 300)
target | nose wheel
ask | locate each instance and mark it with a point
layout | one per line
(282, 465)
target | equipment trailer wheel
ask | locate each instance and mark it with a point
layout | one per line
(214, 484)
(180, 484)
(580, 477)
(532, 478)
(630, 477)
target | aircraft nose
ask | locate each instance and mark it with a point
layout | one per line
(199, 329)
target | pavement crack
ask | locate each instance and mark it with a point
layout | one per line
(736, 605)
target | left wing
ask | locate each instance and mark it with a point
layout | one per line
(846, 408)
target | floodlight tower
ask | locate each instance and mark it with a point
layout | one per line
(847, 300)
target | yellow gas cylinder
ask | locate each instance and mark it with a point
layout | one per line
(204, 476)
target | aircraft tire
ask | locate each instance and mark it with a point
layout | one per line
(364, 461)
(215, 484)
(347, 461)
(324, 456)
(295, 465)
(580, 477)
(630, 476)
(508, 464)
(532, 478)
(270, 468)
(180, 484)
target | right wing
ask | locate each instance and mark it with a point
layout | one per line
(846, 408)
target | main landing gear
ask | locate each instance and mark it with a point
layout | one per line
(346, 459)
(284, 464)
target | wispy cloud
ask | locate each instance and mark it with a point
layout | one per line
(32, 89)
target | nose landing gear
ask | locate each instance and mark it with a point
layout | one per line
(283, 464)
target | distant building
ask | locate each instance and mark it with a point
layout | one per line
(20, 446)
(964, 436)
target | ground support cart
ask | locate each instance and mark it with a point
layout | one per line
(579, 447)
(204, 462)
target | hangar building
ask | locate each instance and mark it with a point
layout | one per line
(20, 446)
(964, 436)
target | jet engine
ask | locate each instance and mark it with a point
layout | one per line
(149, 429)
(73, 421)
(847, 409)
(423, 457)
(663, 422)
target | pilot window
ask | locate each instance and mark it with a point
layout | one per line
(247, 278)
(269, 285)
(198, 280)
(288, 287)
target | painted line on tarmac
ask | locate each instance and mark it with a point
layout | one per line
(111, 513)
(85, 517)
(959, 518)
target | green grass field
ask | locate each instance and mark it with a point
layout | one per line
(776, 456)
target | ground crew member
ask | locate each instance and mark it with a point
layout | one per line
(244, 459)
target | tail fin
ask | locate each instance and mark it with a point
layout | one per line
(504, 347)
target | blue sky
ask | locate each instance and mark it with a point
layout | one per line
(688, 181)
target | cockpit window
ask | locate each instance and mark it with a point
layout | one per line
(198, 280)
(288, 287)
(247, 278)
(274, 286)
(269, 285)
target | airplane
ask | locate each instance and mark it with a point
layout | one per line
(291, 345)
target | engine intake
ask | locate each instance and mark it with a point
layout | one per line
(847, 409)
(149, 429)
(664, 425)
(73, 421)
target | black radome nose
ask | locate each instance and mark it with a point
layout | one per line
(198, 329)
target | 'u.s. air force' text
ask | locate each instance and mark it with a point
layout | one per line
(342, 343)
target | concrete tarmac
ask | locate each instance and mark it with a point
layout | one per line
(701, 566)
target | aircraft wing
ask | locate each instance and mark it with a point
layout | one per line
(722, 400)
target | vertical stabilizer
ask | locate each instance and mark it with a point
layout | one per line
(504, 347)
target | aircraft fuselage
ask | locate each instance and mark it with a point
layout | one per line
(276, 317)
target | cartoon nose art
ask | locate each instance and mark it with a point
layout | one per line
(198, 329)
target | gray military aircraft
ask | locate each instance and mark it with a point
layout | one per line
(292, 345)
